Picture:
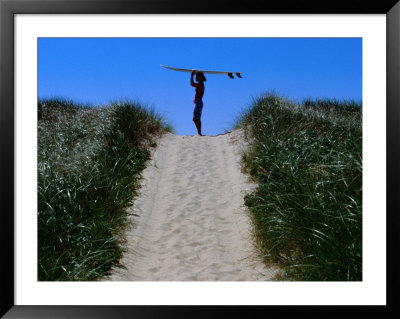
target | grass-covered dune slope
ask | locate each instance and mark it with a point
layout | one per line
(307, 208)
(89, 164)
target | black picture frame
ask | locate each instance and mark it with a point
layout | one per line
(8, 8)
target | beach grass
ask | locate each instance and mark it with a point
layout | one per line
(306, 160)
(90, 161)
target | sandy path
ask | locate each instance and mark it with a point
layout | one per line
(191, 223)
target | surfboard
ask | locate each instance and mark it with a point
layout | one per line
(229, 73)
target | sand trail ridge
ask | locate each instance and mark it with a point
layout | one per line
(189, 221)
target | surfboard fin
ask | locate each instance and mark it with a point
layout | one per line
(238, 75)
(230, 75)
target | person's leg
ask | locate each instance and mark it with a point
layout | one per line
(197, 122)
(198, 107)
(199, 127)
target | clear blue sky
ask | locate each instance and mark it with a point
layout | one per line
(99, 70)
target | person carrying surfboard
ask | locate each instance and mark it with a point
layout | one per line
(198, 98)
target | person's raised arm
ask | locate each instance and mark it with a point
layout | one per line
(192, 83)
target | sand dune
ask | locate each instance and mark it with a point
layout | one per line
(189, 222)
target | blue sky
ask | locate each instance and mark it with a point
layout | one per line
(99, 70)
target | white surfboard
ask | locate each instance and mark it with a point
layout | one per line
(229, 73)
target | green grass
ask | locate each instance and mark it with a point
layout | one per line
(89, 164)
(306, 159)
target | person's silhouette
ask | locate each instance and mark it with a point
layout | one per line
(198, 99)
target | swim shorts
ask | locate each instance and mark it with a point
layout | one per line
(198, 107)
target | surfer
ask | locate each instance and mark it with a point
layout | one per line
(198, 98)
